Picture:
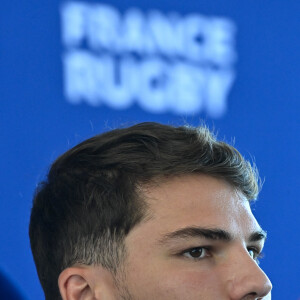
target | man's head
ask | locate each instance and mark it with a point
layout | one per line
(149, 211)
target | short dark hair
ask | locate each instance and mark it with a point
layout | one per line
(90, 200)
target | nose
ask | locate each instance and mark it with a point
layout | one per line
(246, 280)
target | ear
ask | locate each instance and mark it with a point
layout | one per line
(73, 284)
(86, 283)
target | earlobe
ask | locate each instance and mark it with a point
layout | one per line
(74, 284)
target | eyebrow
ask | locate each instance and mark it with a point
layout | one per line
(213, 234)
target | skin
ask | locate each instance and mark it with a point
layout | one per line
(200, 242)
(165, 265)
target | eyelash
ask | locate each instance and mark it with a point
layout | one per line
(188, 251)
(257, 255)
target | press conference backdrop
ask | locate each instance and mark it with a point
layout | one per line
(69, 70)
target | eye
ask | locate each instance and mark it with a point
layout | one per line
(255, 254)
(196, 253)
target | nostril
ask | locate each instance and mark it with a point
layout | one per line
(251, 296)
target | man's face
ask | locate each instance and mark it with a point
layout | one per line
(200, 243)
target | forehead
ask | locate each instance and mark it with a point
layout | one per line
(198, 200)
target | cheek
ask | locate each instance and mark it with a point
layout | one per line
(163, 282)
(191, 285)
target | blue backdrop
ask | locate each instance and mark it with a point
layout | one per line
(69, 70)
